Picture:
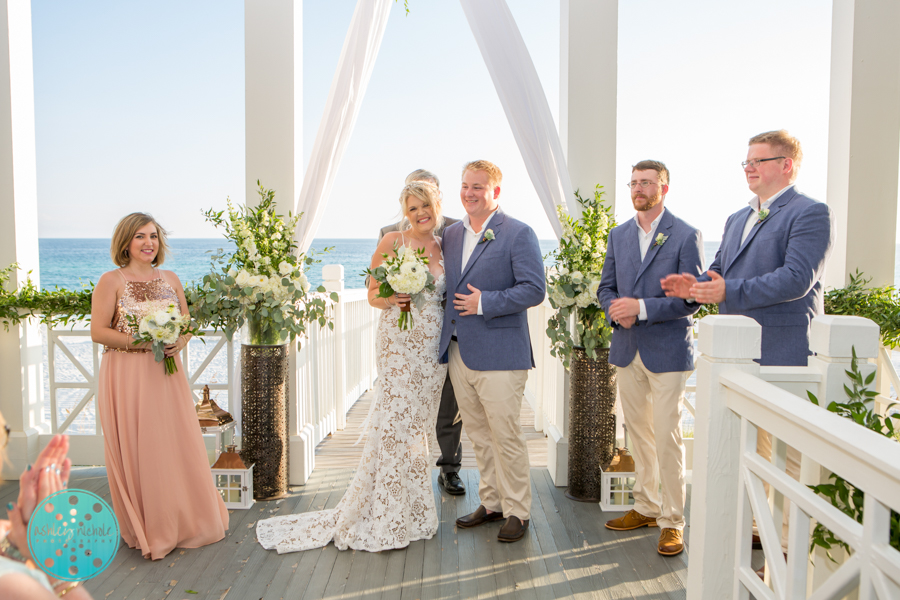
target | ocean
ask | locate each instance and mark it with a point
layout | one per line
(72, 263)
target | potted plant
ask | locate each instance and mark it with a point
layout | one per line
(262, 285)
(579, 335)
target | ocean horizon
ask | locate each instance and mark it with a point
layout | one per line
(72, 263)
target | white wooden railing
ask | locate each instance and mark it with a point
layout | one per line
(330, 372)
(735, 398)
(79, 418)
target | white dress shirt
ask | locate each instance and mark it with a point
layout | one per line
(470, 240)
(644, 240)
(756, 206)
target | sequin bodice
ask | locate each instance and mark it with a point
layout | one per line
(140, 299)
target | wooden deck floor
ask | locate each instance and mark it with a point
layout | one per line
(567, 552)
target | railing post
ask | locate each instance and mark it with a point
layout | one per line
(833, 339)
(727, 343)
(333, 280)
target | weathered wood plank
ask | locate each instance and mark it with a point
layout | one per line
(431, 564)
(550, 576)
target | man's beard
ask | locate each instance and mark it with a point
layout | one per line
(649, 202)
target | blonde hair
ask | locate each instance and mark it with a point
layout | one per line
(125, 232)
(423, 175)
(430, 196)
(495, 177)
(782, 143)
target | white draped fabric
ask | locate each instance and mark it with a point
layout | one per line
(515, 80)
(524, 102)
(344, 100)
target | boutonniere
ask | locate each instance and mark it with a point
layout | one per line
(660, 239)
(761, 215)
(488, 236)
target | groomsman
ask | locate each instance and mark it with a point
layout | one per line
(494, 273)
(448, 427)
(770, 264)
(652, 345)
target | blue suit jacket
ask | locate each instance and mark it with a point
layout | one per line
(775, 276)
(509, 271)
(665, 339)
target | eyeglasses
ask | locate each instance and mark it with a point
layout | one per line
(754, 162)
(6, 437)
(641, 184)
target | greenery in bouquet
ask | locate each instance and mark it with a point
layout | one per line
(573, 280)
(162, 328)
(405, 273)
(263, 282)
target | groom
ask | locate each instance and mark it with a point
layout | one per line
(494, 275)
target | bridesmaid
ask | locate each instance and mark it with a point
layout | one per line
(159, 478)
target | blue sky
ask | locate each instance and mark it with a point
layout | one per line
(139, 106)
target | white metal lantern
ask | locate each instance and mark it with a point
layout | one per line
(617, 490)
(233, 479)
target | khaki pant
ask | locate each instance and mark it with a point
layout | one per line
(490, 403)
(652, 404)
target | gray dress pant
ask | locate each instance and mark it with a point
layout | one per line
(448, 430)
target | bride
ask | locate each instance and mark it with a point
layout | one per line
(389, 503)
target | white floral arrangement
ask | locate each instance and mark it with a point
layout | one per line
(573, 281)
(162, 328)
(263, 283)
(405, 273)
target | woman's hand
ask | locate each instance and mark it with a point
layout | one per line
(178, 346)
(400, 299)
(49, 475)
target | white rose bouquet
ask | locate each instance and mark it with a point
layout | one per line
(406, 273)
(162, 328)
(572, 283)
(263, 283)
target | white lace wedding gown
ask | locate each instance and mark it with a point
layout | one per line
(389, 503)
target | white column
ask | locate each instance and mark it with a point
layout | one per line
(864, 139)
(588, 46)
(727, 343)
(21, 363)
(273, 65)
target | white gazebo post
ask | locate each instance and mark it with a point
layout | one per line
(864, 139)
(727, 343)
(588, 54)
(21, 363)
(273, 95)
(588, 47)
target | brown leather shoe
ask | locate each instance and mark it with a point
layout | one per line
(671, 542)
(631, 520)
(513, 530)
(479, 517)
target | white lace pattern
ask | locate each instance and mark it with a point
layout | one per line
(389, 503)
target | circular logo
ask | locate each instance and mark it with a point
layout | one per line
(73, 535)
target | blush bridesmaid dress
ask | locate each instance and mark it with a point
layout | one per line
(159, 478)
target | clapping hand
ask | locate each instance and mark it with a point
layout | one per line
(49, 475)
(709, 292)
(678, 286)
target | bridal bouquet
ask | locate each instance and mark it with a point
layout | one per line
(572, 283)
(406, 273)
(161, 329)
(263, 282)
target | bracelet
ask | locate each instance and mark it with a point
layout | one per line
(68, 589)
(9, 550)
(387, 303)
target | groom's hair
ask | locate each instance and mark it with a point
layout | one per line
(495, 177)
(423, 175)
(653, 165)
